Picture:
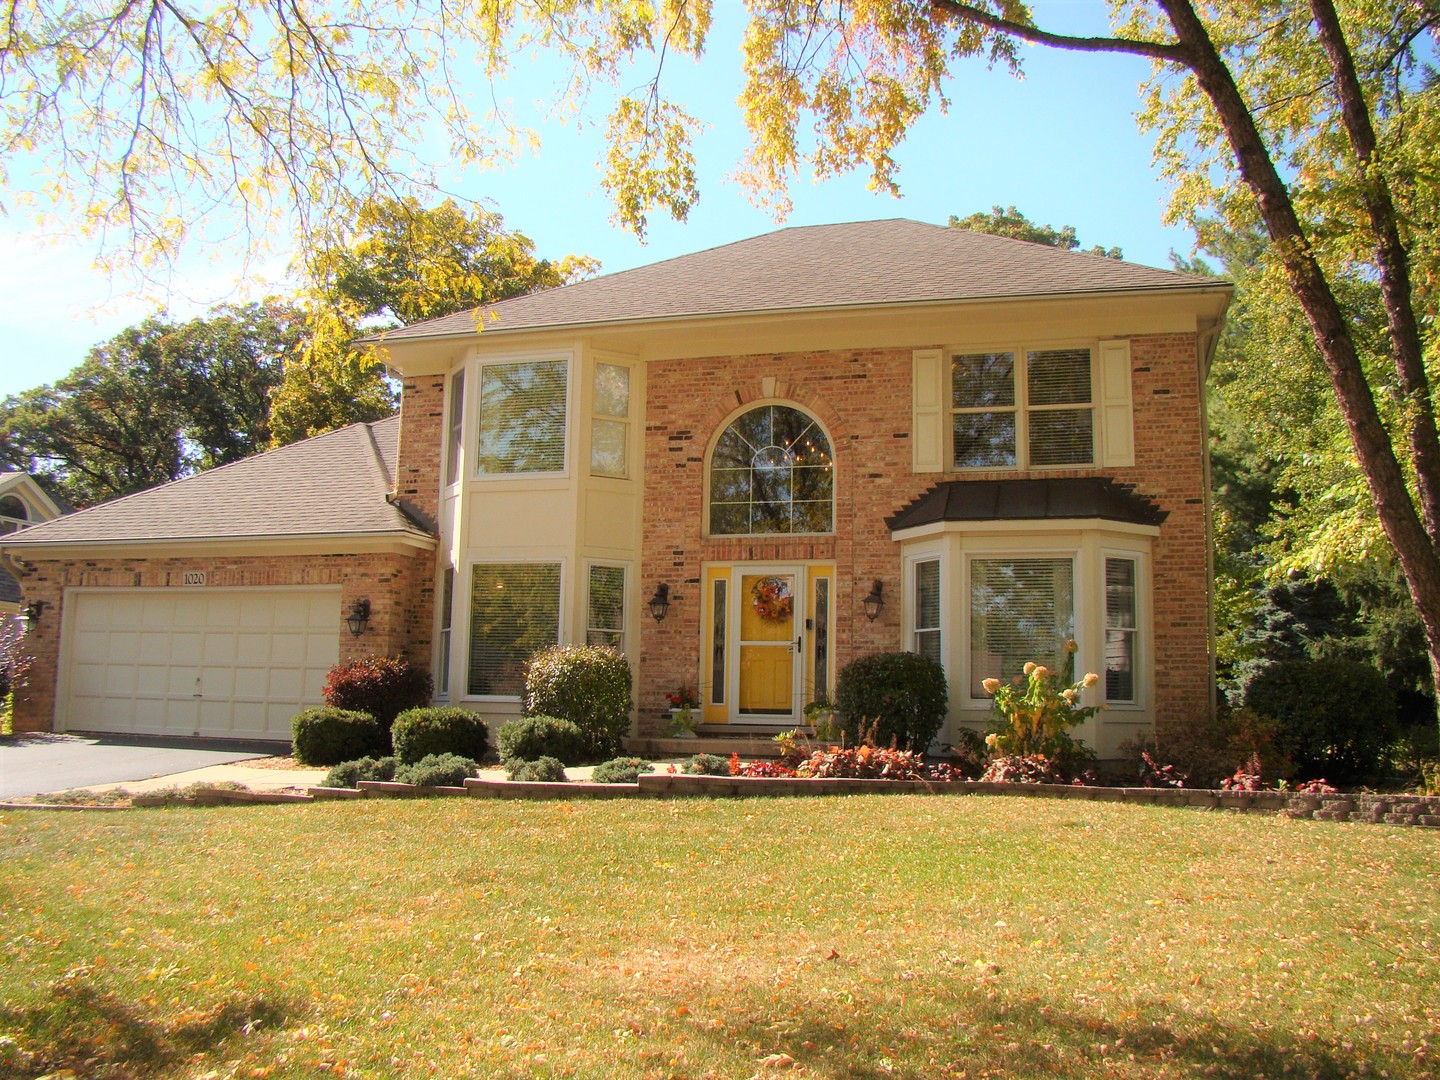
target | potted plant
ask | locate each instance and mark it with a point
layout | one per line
(683, 717)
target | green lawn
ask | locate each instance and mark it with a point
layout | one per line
(843, 937)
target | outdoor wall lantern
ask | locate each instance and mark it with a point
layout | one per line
(874, 602)
(33, 611)
(660, 602)
(359, 617)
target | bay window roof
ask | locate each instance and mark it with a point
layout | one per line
(1070, 498)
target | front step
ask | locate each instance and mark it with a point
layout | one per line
(748, 746)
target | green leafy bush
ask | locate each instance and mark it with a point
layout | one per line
(621, 770)
(706, 765)
(383, 686)
(439, 729)
(350, 773)
(901, 695)
(1035, 713)
(532, 737)
(589, 685)
(1335, 717)
(437, 770)
(327, 736)
(548, 770)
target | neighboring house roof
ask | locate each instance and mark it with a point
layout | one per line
(39, 506)
(1028, 500)
(862, 264)
(331, 484)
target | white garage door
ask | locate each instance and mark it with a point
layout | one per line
(227, 663)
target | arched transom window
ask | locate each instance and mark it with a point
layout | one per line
(772, 472)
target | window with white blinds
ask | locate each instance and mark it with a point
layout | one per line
(605, 607)
(1020, 610)
(522, 417)
(514, 612)
(442, 659)
(926, 631)
(1121, 630)
(1022, 408)
(610, 421)
(456, 430)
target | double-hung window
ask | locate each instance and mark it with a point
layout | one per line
(1021, 408)
(605, 607)
(514, 612)
(925, 633)
(610, 421)
(1020, 610)
(455, 432)
(1121, 629)
(522, 410)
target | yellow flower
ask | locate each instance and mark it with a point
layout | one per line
(1029, 666)
(1090, 679)
(991, 685)
(1042, 672)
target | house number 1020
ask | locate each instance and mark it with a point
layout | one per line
(193, 577)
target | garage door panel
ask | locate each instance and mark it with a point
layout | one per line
(221, 662)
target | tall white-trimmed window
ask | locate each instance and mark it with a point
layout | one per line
(522, 408)
(514, 612)
(1121, 629)
(1020, 610)
(605, 607)
(1022, 408)
(455, 431)
(447, 607)
(610, 421)
(925, 634)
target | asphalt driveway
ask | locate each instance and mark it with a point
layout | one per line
(31, 764)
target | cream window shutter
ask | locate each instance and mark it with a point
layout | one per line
(928, 435)
(1117, 433)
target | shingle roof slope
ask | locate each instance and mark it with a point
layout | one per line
(330, 484)
(1028, 500)
(895, 261)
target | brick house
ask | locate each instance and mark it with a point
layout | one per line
(743, 467)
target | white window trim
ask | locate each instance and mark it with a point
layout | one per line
(466, 411)
(923, 553)
(473, 430)
(627, 601)
(442, 660)
(628, 420)
(1143, 629)
(1022, 407)
(562, 630)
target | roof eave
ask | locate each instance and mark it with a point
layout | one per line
(341, 542)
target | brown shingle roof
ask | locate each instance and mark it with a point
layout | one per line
(820, 266)
(328, 485)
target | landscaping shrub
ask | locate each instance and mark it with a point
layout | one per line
(1207, 750)
(327, 736)
(902, 695)
(621, 770)
(589, 685)
(438, 729)
(350, 773)
(547, 770)
(706, 765)
(1023, 769)
(532, 737)
(1334, 717)
(437, 770)
(863, 762)
(383, 686)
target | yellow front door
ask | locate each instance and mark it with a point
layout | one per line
(767, 643)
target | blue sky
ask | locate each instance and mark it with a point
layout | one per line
(1061, 145)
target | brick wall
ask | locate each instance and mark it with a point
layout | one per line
(422, 442)
(863, 398)
(399, 588)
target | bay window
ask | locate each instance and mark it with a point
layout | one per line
(522, 410)
(514, 612)
(1020, 610)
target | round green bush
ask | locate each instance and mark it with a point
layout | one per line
(589, 685)
(1334, 717)
(892, 697)
(437, 770)
(706, 765)
(439, 729)
(532, 737)
(621, 770)
(350, 773)
(545, 769)
(327, 736)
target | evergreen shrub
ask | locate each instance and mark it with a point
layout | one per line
(350, 773)
(437, 770)
(326, 735)
(532, 737)
(439, 729)
(589, 685)
(901, 696)
(622, 770)
(544, 769)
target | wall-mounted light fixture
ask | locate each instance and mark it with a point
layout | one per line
(359, 617)
(660, 602)
(32, 613)
(875, 601)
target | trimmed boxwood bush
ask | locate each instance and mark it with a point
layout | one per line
(1334, 717)
(437, 770)
(350, 773)
(383, 686)
(706, 765)
(901, 695)
(546, 769)
(327, 736)
(532, 737)
(589, 685)
(439, 729)
(621, 770)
